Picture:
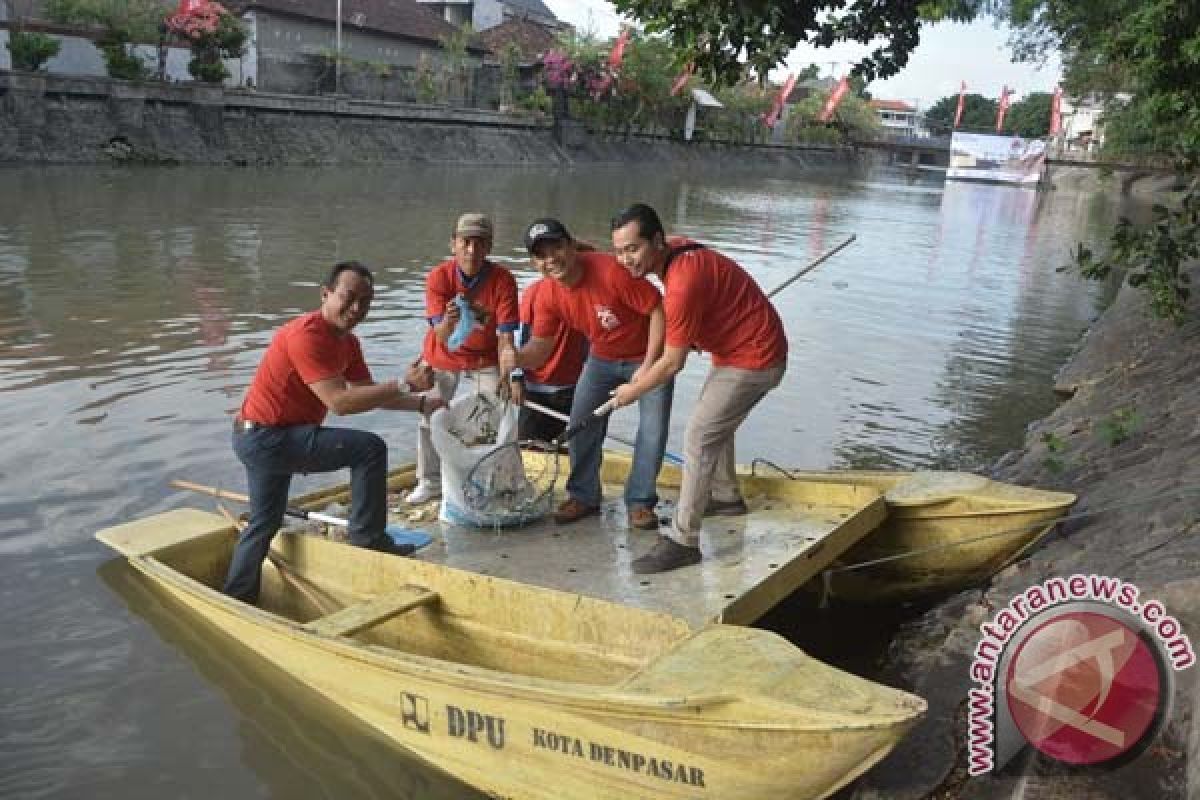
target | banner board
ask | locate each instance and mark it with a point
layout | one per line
(997, 159)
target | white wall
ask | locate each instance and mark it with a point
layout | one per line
(79, 56)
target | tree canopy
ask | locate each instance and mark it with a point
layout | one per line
(979, 114)
(716, 35)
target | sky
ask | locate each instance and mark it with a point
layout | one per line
(948, 53)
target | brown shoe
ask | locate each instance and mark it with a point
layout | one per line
(572, 510)
(725, 508)
(643, 518)
(667, 554)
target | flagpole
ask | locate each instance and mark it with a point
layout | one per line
(337, 63)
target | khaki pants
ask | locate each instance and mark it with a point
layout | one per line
(709, 468)
(448, 383)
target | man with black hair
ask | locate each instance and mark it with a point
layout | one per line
(711, 304)
(622, 319)
(315, 365)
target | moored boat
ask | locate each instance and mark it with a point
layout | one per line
(527, 691)
(944, 531)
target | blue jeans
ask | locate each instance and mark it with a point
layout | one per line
(271, 455)
(600, 377)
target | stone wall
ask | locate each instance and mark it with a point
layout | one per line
(1127, 443)
(49, 119)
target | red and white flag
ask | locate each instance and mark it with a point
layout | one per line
(682, 80)
(618, 51)
(1002, 109)
(962, 94)
(773, 115)
(835, 97)
(1056, 112)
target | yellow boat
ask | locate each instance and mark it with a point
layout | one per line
(944, 531)
(532, 692)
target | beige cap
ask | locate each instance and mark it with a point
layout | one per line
(474, 224)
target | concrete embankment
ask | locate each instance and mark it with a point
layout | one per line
(1127, 442)
(49, 119)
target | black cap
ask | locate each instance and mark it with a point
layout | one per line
(543, 230)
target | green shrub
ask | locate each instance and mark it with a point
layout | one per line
(31, 50)
(120, 63)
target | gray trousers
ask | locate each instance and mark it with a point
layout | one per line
(448, 384)
(709, 463)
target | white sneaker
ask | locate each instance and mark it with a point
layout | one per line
(423, 493)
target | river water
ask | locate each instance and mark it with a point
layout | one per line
(134, 306)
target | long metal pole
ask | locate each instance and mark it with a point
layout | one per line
(811, 266)
(337, 64)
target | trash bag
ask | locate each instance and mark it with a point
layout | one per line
(483, 477)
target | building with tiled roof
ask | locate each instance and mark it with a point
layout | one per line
(292, 44)
(532, 39)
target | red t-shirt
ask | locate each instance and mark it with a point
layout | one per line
(714, 304)
(302, 352)
(565, 363)
(608, 306)
(497, 293)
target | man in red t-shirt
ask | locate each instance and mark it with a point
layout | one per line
(552, 384)
(622, 319)
(711, 304)
(464, 350)
(314, 365)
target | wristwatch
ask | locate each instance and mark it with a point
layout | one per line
(517, 375)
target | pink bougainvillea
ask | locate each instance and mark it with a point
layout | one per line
(595, 77)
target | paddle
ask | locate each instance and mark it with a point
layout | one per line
(810, 267)
(399, 535)
(604, 409)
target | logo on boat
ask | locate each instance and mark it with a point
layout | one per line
(1076, 668)
(414, 712)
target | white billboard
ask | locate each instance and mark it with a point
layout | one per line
(997, 159)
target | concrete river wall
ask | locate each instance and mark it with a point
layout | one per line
(50, 119)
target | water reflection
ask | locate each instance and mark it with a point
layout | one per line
(298, 744)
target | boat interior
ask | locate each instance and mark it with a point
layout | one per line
(439, 612)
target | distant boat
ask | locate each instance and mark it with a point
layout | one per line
(530, 692)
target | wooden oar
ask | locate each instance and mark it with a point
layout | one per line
(399, 534)
(811, 266)
(550, 412)
(286, 572)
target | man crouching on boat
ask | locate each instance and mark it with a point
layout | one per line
(315, 365)
(712, 304)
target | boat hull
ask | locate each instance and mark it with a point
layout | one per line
(944, 532)
(725, 712)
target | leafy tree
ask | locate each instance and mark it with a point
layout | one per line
(1030, 116)
(1148, 48)
(121, 23)
(853, 120)
(716, 35)
(979, 114)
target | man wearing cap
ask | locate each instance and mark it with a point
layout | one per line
(467, 286)
(711, 304)
(315, 365)
(623, 321)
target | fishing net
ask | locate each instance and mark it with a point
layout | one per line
(485, 481)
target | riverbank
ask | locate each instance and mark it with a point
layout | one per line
(52, 119)
(1127, 442)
